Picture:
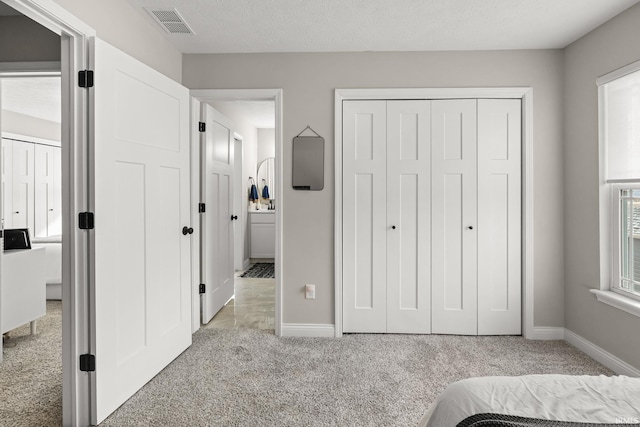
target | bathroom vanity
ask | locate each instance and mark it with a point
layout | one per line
(263, 233)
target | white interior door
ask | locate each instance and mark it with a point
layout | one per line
(499, 216)
(239, 206)
(141, 295)
(454, 212)
(365, 226)
(408, 210)
(217, 228)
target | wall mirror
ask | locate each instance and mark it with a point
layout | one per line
(267, 176)
(308, 163)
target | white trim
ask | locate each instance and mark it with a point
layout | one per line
(618, 301)
(307, 330)
(616, 74)
(612, 362)
(75, 267)
(524, 93)
(194, 147)
(276, 95)
(547, 333)
(32, 139)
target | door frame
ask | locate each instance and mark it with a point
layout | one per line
(75, 130)
(216, 95)
(523, 93)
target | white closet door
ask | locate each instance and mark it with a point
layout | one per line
(23, 186)
(7, 183)
(44, 188)
(55, 213)
(364, 279)
(453, 216)
(499, 216)
(408, 210)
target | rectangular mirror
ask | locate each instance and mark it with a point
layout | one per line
(308, 163)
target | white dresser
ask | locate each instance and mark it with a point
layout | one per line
(263, 233)
(23, 288)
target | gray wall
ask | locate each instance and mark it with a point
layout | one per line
(23, 40)
(607, 48)
(309, 80)
(125, 27)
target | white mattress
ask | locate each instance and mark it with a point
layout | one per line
(592, 399)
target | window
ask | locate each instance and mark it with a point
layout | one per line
(619, 124)
(626, 274)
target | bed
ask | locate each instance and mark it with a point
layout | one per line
(537, 400)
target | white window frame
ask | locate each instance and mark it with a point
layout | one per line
(616, 235)
(608, 292)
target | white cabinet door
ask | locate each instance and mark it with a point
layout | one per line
(454, 217)
(499, 216)
(217, 229)
(365, 225)
(408, 210)
(141, 259)
(22, 200)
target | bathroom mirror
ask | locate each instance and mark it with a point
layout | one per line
(308, 163)
(267, 176)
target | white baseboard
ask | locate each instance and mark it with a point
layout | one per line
(547, 333)
(612, 362)
(245, 264)
(307, 330)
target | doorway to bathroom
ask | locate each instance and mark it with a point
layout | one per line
(251, 119)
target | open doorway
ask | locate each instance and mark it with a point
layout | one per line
(255, 298)
(32, 221)
(253, 304)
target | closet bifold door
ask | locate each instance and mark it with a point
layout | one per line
(453, 216)
(364, 300)
(408, 217)
(499, 216)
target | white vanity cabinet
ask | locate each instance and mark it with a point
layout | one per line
(263, 233)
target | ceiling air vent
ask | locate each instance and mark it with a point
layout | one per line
(170, 20)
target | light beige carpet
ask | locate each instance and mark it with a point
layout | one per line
(31, 373)
(245, 377)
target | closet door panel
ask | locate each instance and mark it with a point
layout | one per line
(499, 216)
(44, 188)
(408, 210)
(453, 217)
(364, 222)
(23, 186)
(7, 183)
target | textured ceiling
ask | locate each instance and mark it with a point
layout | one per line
(39, 97)
(383, 25)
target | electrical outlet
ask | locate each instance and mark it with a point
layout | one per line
(310, 291)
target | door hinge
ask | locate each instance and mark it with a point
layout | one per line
(85, 220)
(201, 208)
(202, 126)
(85, 78)
(203, 288)
(87, 363)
